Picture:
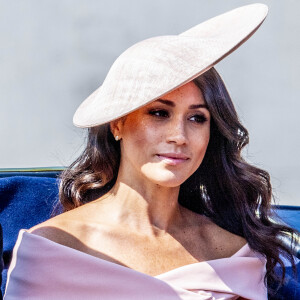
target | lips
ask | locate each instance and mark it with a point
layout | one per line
(173, 158)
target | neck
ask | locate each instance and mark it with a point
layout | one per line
(147, 207)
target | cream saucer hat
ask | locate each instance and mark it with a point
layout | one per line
(154, 67)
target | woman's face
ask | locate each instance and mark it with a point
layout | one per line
(166, 140)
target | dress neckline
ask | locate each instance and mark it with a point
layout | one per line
(240, 252)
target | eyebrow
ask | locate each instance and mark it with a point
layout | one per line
(172, 104)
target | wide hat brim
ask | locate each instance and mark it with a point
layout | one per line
(154, 67)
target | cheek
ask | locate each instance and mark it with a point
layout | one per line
(200, 146)
(138, 135)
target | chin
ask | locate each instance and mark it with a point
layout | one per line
(166, 178)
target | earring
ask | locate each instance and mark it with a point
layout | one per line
(117, 138)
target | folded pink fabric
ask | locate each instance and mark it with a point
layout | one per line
(42, 269)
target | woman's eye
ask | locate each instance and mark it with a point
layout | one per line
(159, 113)
(198, 118)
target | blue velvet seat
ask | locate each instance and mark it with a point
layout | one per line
(29, 198)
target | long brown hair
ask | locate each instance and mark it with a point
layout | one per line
(234, 194)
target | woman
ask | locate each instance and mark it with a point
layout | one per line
(161, 204)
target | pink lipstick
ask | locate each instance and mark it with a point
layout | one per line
(173, 158)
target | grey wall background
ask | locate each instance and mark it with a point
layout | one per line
(54, 53)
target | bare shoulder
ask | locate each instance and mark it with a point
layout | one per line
(224, 241)
(226, 237)
(79, 228)
(60, 229)
(217, 239)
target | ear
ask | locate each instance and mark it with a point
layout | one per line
(116, 127)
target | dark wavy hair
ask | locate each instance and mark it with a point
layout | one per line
(234, 194)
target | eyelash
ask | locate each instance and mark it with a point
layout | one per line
(161, 113)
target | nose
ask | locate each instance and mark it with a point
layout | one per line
(177, 132)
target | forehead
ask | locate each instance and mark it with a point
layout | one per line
(189, 93)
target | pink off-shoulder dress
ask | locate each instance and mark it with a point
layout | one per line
(44, 270)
